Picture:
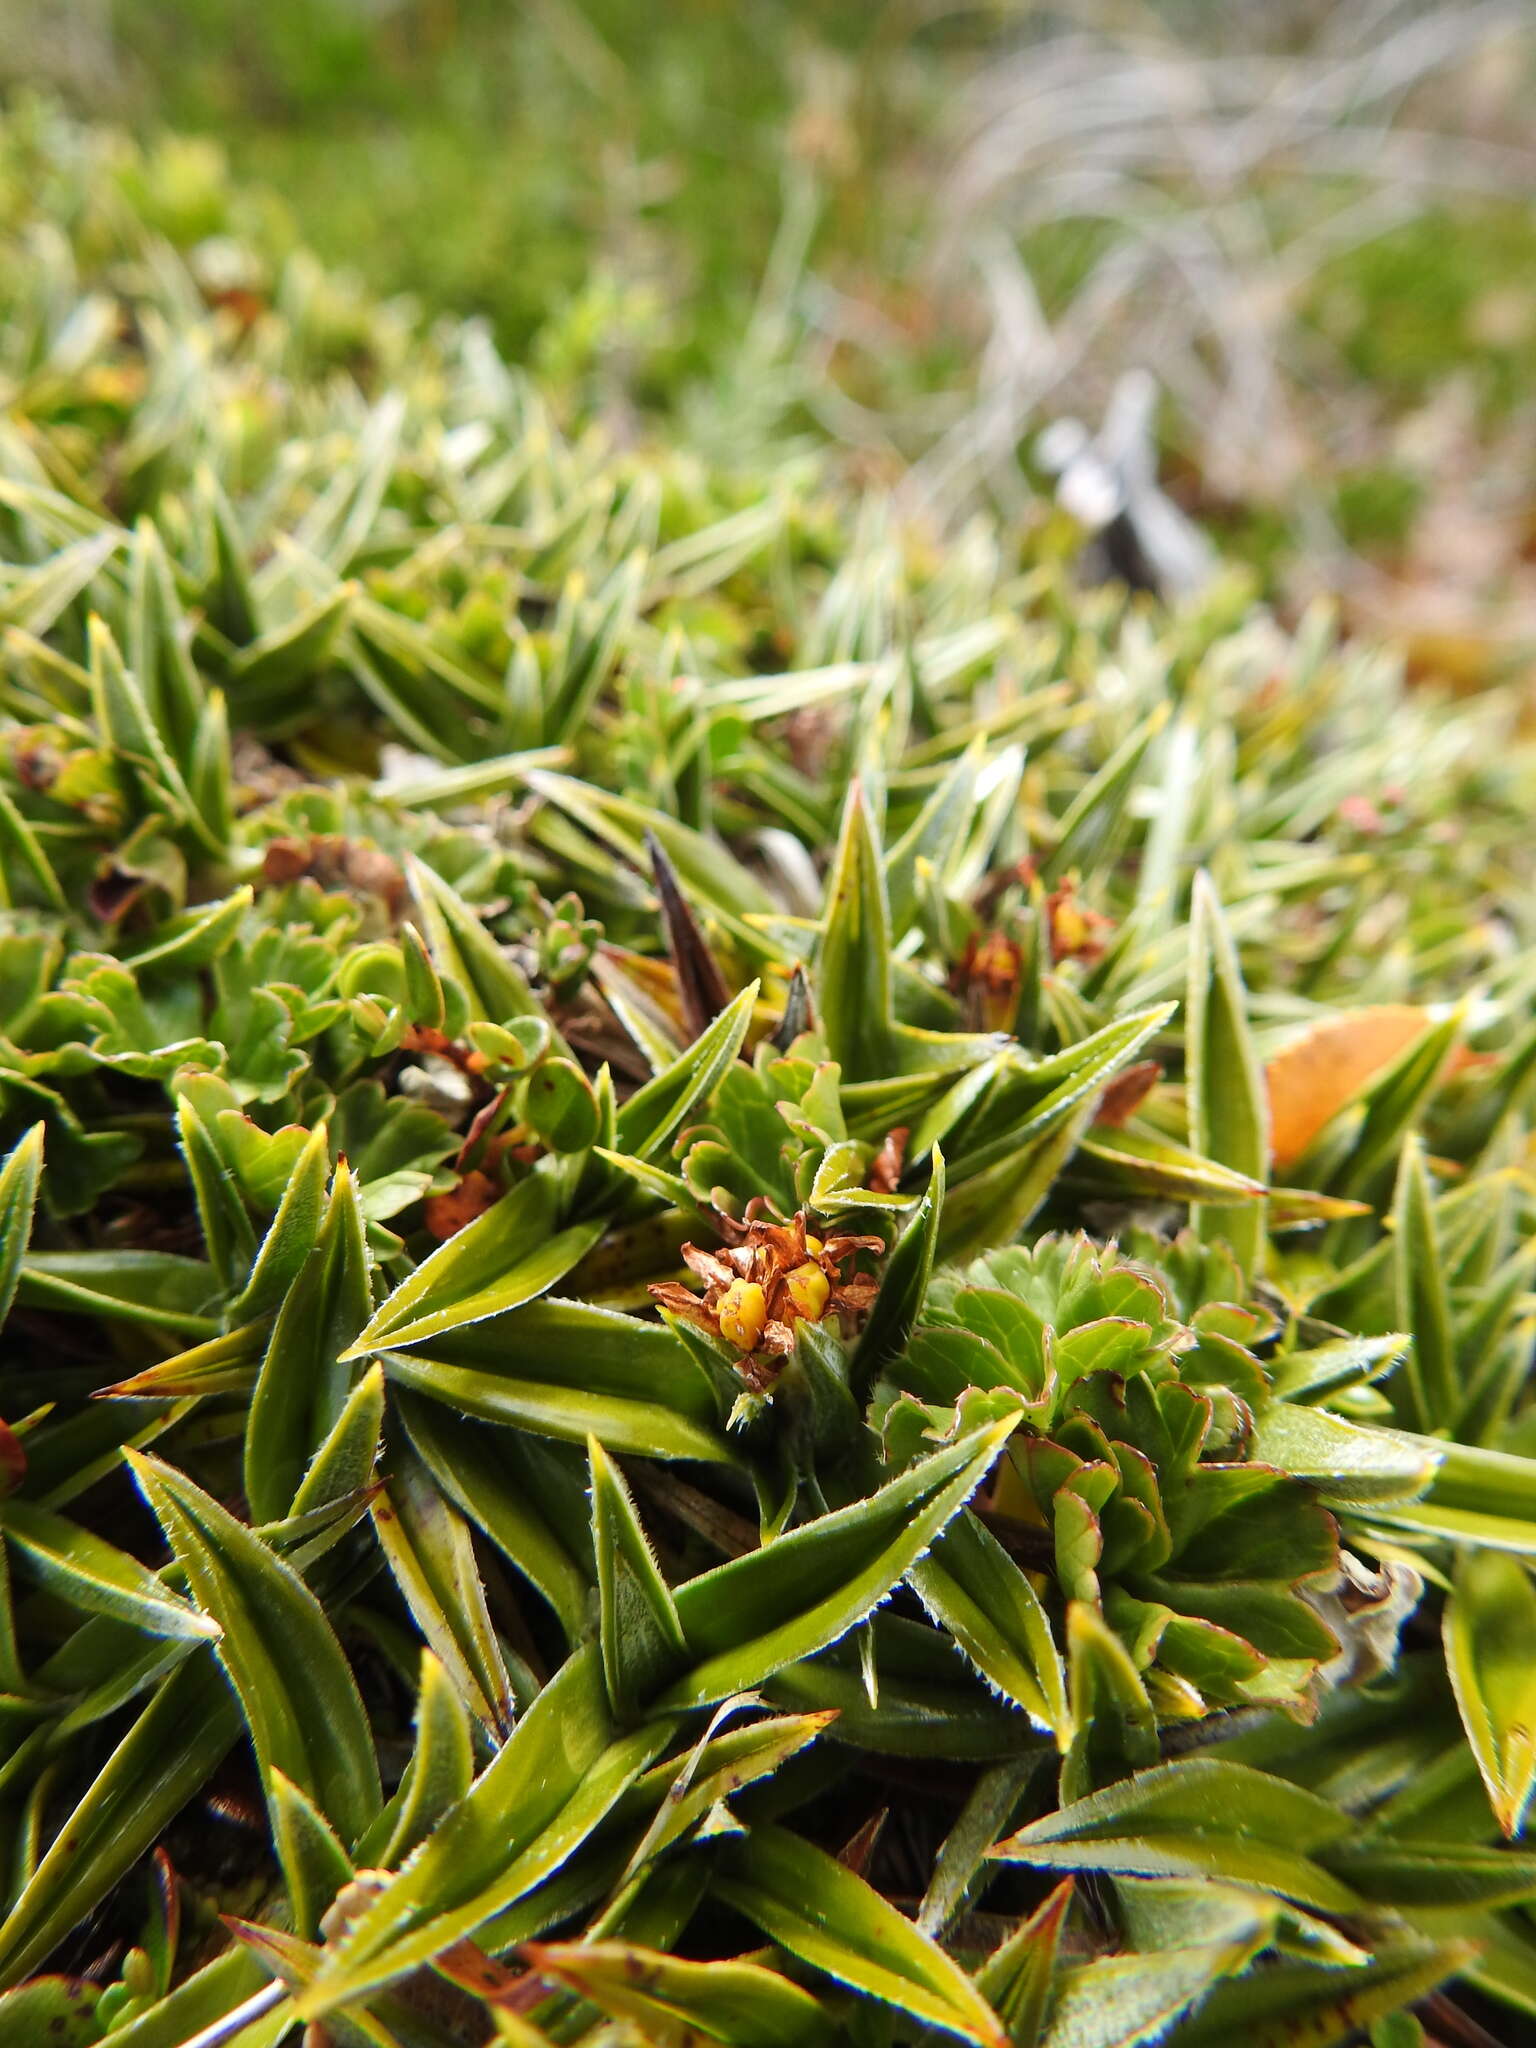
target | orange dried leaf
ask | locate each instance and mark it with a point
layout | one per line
(467, 1965)
(885, 1168)
(1313, 1077)
(1126, 1093)
(445, 1214)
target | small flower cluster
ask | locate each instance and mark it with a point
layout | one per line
(989, 972)
(778, 1275)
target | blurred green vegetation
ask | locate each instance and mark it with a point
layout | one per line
(1444, 291)
(498, 158)
(523, 158)
(607, 181)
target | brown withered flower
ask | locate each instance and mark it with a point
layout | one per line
(778, 1275)
(336, 862)
(884, 1176)
(988, 978)
(1077, 933)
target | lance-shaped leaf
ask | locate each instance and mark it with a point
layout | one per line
(1490, 1652)
(465, 952)
(296, 1690)
(91, 1573)
(158, 1288)
(167, 1755)
(22, 855)
(524, 1494)
(621, 822)
(1296, 2001)
(1170, 1913)
(228, 600)
(263, 671)
(937, 834)
(448, 786)
(343, 1465)
(747, 1619)
(564, 1369)
(427, 1544)
(588, 633)
(679, 2004)
(439, 1774)
(654, 1112)
(550, 1786)
(1114, 1729)
(227, 1230)
(903, 1284)
(930, 1704)
(1130, 1162)
(510, 1254)
(1204, 1817)
(1097, 814)
(1348, 1465)
(288, 1957)
(1476, 1496)
(1028, 1100)
(821, 1912)
(638, 1627)
(35, 600)
(1407, 1875)
(638, 1006)
(313, 1862)
(158, 651)
(1119, 2001)
(226, 1364)
(124, 722)
(718, 1765)
(18, 1196)
(304, 1386)
(1422, 1304)
(64, 1459)
(701, 987)
(1307, 1376)
(679, 1795)
(973, 1588)
(1017, 1979)
(992, 1206)
(1228, 1108)
(1164, 848)
(960, 1866)
(13, 1676)
(851, 970)
(290, 1236)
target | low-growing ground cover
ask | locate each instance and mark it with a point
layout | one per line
(766, 1283)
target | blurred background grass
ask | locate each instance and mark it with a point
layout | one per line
(486, 157)
(919, 231)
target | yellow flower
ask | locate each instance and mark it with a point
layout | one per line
(742, 1313)
(808, 1288)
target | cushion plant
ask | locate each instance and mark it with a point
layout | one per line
(766, 1283)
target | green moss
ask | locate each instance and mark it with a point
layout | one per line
(1376, 508)
(1445, 294)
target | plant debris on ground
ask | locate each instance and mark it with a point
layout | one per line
(766, 1283)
